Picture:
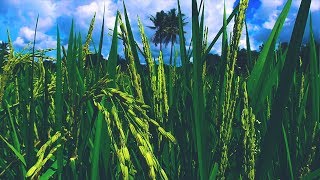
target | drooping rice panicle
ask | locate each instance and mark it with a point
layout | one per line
(114, 118)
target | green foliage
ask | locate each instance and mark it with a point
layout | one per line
(80, 116)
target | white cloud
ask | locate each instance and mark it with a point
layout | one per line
(268, 12)
(315, 5)
(48, 10)
(19, 42)
(46, 23)
(254, 45)
(28, 11)
(27, 33)
(272, 4)
(271, 20)
(84, 13)
(214, 19)
(49, 42)
(43, 40)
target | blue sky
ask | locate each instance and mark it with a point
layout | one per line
(19, 16)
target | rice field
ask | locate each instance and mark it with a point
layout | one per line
(78, 116)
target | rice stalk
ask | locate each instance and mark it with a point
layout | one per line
(101, 126)
(58, 101)
(135, 77)
(105, 126)
(85, 48)
(248, 121)
(197, 95)
(162, 91)
(150, 63)
(231, 90)
(132, 42)
(16, 142)
(226, 125)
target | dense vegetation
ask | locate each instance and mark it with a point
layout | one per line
(241, 115)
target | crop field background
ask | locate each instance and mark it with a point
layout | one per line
(242, 115)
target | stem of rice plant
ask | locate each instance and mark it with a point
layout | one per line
(197, 95)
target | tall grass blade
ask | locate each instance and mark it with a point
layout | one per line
(111, 70)
(30, 145)
(287, 151)
(105, 143)
(132, 42)
(51, 171)
(15, 151)
(249, 56)
(201, 30)
(214, 172)
(315, 77)
(224, 56)
(183, 51)
(271, 140)
(16, 142)
(70, 62)
(80, 57)
(112, 61)
(260, 70)
(101, 65)
(197, 95)
(59, 103)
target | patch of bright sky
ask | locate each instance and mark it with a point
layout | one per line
(19, 16)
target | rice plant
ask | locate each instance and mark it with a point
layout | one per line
(79, 116)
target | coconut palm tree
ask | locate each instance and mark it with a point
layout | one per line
(172, 29)
(167, 28)
(158, 25)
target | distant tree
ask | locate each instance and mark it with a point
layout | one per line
(172, 29)
(123, 63)
(4, 50)
(261, 47)
(91, 60)
(212, 62)
(284, 46)
(49, 65)
(159, 25)
(242, 61)
(167, 28)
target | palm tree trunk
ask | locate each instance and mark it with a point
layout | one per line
(170, 77)
(171, 52)
(160, 43)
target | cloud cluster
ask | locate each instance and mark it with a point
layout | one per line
(26, 35)
(85, 12)
(25, 12)
(266, 15)
(20, 17)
